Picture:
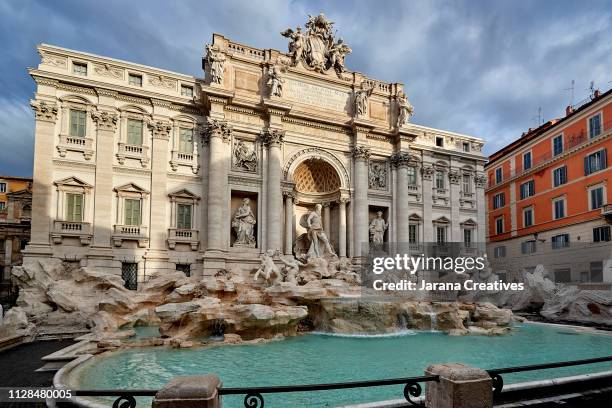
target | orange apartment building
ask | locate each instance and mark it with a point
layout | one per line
(549, 198)
(15, 215)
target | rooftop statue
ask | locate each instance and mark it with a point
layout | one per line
(405, 109)
(317, 48)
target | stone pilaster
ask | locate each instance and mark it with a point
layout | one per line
(202, 132)
(45, 114)
(273, 140)
(327, 218)
(361, 155)
(219, 135)
(454, 178)
(427, 171)
(288, 223)
(106, 124)
(400, 160)
(480, 180)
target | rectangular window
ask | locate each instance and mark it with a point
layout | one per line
(134, 132)
(601, 234)
(527, 189)
(467, 238)
(186, 90)
(557, 145)
(527, 217)
(595, 161)
(2, 187)
(183, 216)
(412, 176)
(559, 208)
(595, 125)
(499, 225)
(135, 79)
(597, 198)
(74, 207)
(129, 273)
(560, 241)
(413, 234)
(440, 179)
(499, 200)
(185, 140)
(439, 141)
(2, 205)
(562, 275)
(499, 252)
(467, 183)
(499, 175)
(132, 211)
(596, 271)
(441, 235)
(79, 68)
(560, 176)
(78, 122)
(528, 247)
(527, 161)
(466, 146)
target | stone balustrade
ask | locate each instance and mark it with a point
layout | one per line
(75, 144)
(183, 236)
(137, 233)
(71, 229)
(138, 152)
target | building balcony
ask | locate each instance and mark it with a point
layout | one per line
(184, 159)
(137, 152)
(137, 233)
(69, 229)
(606, 211)
(75, 144)
(183, 236)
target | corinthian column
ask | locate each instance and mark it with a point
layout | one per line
(46, 116)
(273, 139)
(400, 161)
(361, 154)
(219, 136)
(106, 123)
(342, 227)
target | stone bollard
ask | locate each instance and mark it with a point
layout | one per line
(460, 386)
(196, 391)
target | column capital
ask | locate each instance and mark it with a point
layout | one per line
(105, 120)
(289, 194)
(428, 171)
(481, 180)
(361, 152)
(343, 200)
(454, 176)
(218, 128)
(273, 137)
(400, 159)
(160, 129)
(44, 111)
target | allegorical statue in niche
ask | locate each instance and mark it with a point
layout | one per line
(361, 99)
(216, 61)
(378, 226)
(244, 158)
(319, 244)
(405, 109)
(275, 81)
(296, 46)
(244, 225)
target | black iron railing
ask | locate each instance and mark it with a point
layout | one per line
(254, 396)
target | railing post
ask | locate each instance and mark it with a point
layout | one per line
(197, 391)
(460, 386)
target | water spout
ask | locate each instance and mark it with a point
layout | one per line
(432, 320)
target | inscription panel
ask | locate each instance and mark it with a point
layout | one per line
(315, 95)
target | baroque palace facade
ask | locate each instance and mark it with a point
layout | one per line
(139, 170)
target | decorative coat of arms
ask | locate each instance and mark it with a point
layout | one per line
(317, 49)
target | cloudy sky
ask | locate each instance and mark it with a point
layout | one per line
(477, 67)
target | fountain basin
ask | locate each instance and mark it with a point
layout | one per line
(321, 358)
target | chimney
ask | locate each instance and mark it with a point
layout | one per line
(569, 110)
(596, 94)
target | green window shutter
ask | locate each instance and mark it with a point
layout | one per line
(183, 216)
(69, 206)
(74, 207)
(185, 140)
(132, 212)
(77, 123)
(134, 132)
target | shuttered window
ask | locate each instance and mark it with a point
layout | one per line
(74, 207)
(77, 122)
(185, 140)
(183, 216)
(595, 161)
(132, 211)
(134, 132)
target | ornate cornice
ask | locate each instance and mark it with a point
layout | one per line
(74, 88)
(240, 109)
(105, 120)
(272, 137)
(133, 99)
(44, 111)
(106, 92)
(315, 125)
(45, 81)
(127, 170)
(160, 129)
(160, 102)
(192, 110)
(361, 152)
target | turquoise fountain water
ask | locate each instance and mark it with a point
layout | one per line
(318, 358)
